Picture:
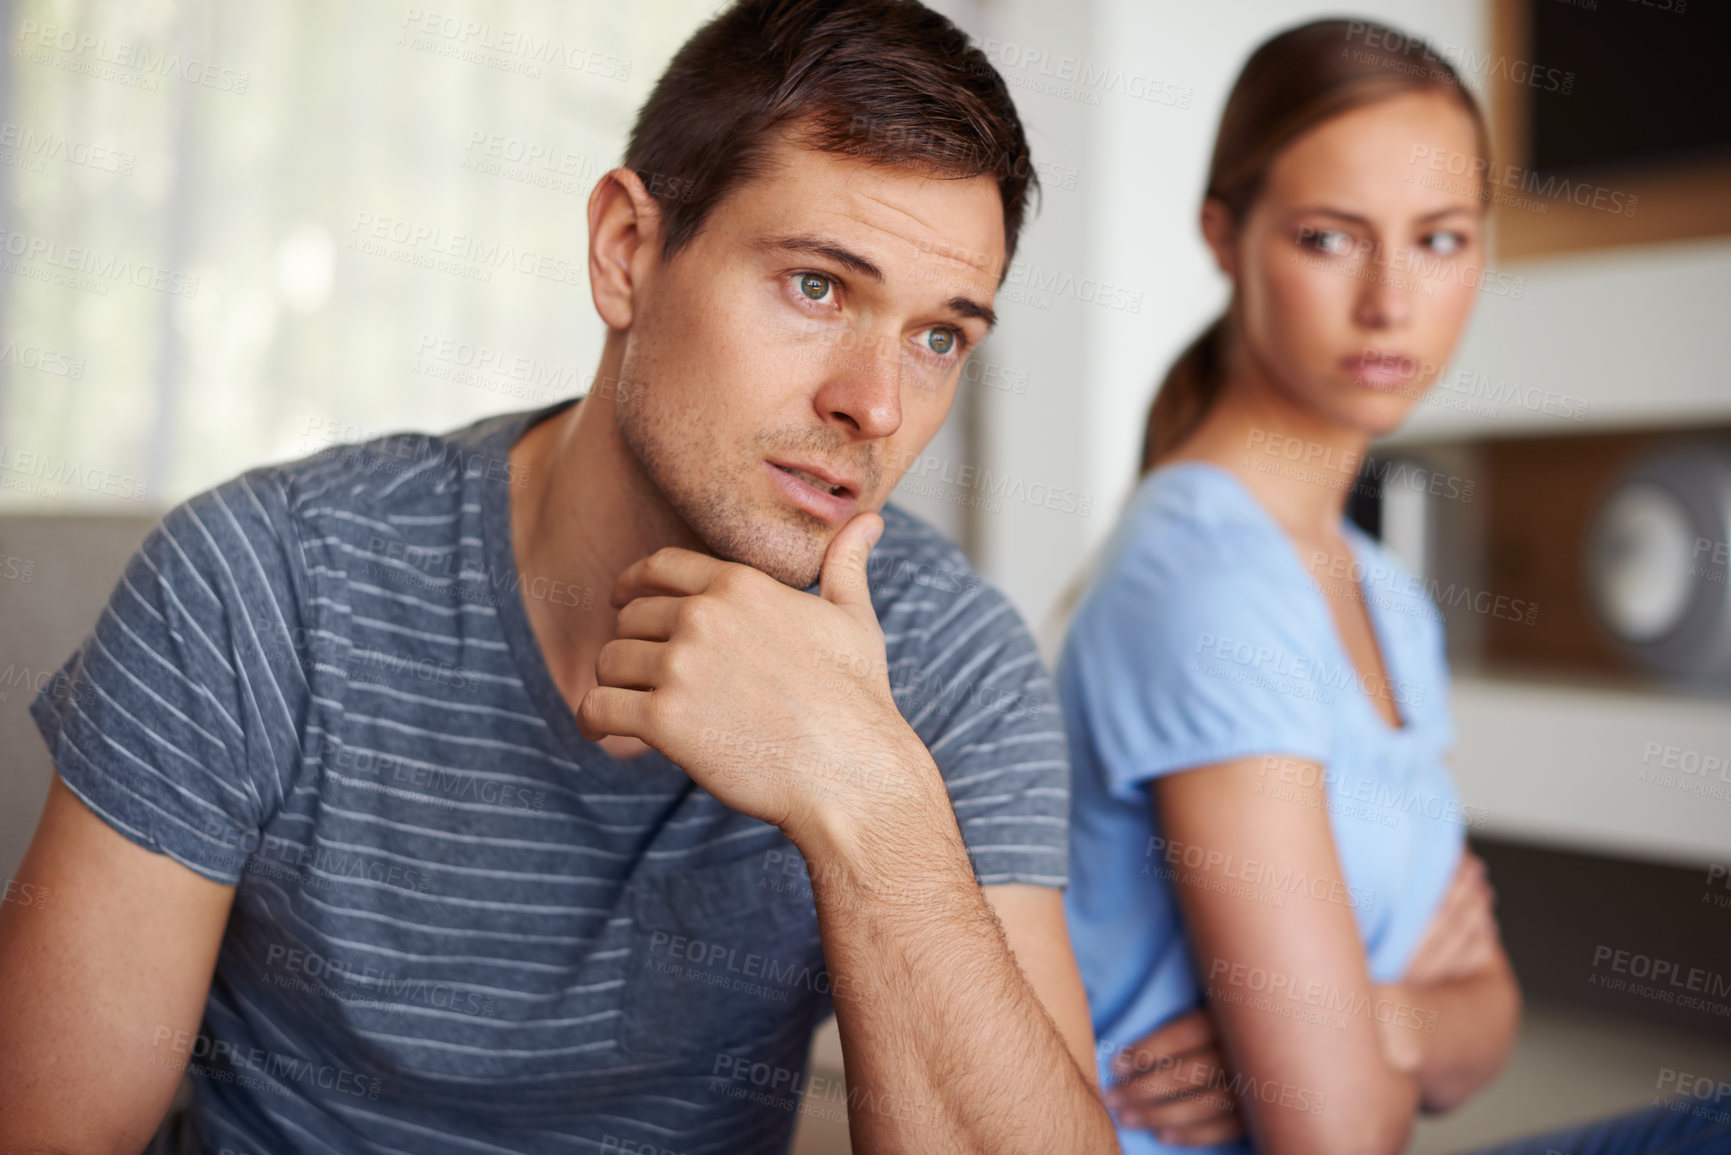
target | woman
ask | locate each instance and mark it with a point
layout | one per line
(1263, 822)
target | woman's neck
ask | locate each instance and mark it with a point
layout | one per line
(1299, 465)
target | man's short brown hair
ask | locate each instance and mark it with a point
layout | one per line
(888, 81)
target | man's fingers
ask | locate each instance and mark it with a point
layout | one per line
(842, 582)
(667, 571)
(611, 710)
(632, 664)
(650, 618)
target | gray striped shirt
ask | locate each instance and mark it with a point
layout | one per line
(459, 926)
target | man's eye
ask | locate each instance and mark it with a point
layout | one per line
(815, 285)
(1331, 241)
(941, 341)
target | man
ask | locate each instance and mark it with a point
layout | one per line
(540, 786)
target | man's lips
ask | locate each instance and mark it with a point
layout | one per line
(824, 480)
(822, 494)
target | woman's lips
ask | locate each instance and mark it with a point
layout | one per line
(1384, 371)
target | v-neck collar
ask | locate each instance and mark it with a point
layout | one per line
(651, 770)
(1356, 541)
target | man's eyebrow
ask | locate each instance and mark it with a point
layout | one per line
(848, 259)
(968, 307)
(823, 247)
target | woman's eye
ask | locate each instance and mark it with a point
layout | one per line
(816, 286)
(1330, 241)
(941, 341)
(1446, 244)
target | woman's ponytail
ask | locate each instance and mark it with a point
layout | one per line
(1186, 394)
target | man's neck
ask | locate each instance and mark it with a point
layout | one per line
(585, 513)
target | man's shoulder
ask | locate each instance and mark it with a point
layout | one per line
(401, 466)
(913, 559)
(941, 617)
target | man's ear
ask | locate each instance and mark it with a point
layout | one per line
(1221, 235)
(624, 238)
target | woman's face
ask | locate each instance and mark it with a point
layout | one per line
(1356, 269)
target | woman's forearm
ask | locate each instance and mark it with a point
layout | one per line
(1463, 1029)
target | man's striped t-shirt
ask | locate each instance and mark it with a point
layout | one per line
(459, 927)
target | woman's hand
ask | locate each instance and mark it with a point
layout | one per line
(1173, 1082)
(1460, 941)
(1461, 938)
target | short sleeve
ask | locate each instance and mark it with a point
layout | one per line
(976, 692)
(178, 720)
(1189, 651)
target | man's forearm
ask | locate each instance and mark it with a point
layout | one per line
(946, 1045)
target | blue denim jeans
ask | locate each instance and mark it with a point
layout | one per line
(1692, 1129)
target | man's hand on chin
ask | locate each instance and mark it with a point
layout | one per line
(776, 702)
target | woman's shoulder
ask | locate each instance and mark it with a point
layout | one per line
(1193, 520)
(1194, 544)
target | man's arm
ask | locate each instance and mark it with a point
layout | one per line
(947, 1043)
(1032, 918)
(99, 978)
(947, 1046)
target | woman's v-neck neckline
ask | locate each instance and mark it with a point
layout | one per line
(1351, 534)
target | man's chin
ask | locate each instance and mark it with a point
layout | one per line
(791, 556)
